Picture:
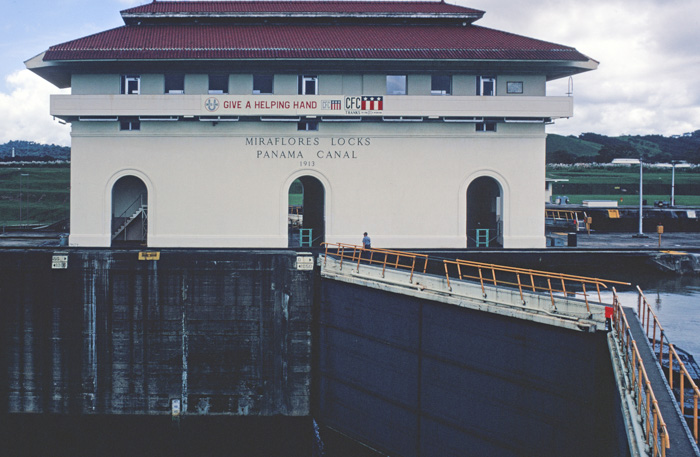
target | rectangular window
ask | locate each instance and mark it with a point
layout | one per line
(486, 85)
(308, 85)
(131, 84)
(129, 125)
(396, 84)
(488, 126)
(175, 83)
(262, 84)
(441, 85)
(218, 84)
(514, 87)
(308, 126)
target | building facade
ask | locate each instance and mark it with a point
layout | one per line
(270, 124)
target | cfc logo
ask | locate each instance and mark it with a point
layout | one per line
(353, 103)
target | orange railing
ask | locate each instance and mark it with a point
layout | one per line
(647, 407)
(525, 279)
(647, 317)
(375, 256)
(564, 214)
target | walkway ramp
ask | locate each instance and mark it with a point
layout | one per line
(486, 360)
(656, 410)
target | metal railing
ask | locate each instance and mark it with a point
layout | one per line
(565, 214)
(648, 318)
(652, 422)
(525, 279)
(384, 257)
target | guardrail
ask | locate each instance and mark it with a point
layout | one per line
(534, 279)
(647, 317)
(565, 214)
(384, 257)
(647, 407)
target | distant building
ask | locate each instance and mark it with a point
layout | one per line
(191, 122)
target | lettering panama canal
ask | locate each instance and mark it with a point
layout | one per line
(302, 148)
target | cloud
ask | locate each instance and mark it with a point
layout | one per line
(24, 111)
(646, 81)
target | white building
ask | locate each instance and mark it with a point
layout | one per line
(192, 121)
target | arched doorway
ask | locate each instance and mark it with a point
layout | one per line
(129, 211)
(307, 219)
(484, 213)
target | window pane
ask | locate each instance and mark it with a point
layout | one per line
(396, 84)
(486, 127)
(486, 85)
(441, 85)
(308, 125)
(218, 84)
(129, 125)
(308, 85)
(262, 84)
(174, 83)
(130, 84)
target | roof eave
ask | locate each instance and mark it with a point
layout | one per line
(52, 71)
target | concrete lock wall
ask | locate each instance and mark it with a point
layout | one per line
(224, 332)
(412, 377)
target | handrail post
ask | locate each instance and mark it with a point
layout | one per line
(551, 295)
(682, 405)
(639, 306)
(585, 297)
(447, 275)
(695, 415)
(520, 288)
(481, 279)
(670, 366)
(563, 287)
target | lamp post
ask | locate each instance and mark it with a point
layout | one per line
(641, 192)
(674, 164)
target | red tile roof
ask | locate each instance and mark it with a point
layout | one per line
(226, 41)
(299, 7)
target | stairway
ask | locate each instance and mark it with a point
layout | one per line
(139, 211)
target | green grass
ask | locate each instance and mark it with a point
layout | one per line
(615, 183)
(45, 194)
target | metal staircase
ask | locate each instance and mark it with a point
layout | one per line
(138, 209)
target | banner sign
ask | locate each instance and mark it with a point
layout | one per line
(293, 105)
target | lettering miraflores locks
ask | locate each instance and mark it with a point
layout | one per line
(305, 152)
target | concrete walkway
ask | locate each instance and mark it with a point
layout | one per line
(682, 444)
(650, 241)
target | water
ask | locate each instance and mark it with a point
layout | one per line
(676, 303)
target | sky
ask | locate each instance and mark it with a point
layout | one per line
(648, 81)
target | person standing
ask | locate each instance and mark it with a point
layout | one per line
(366, 242)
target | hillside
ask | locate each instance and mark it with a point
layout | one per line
(31, 151)
(592, 147)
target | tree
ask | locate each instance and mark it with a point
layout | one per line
(608, 153)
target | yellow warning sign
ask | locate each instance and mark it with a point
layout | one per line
(149, 255)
